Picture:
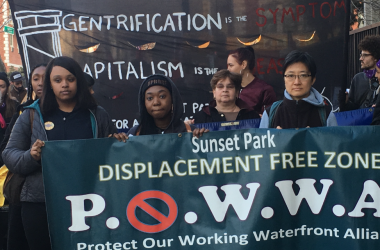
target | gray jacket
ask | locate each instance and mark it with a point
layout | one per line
(17, 155)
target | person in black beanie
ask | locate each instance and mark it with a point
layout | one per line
(160, 107)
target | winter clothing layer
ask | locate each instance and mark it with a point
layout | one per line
(9, 128)
(361, 95)
(299, 114)
(17, 155)
(210, 113)
(258, 95)
(376, 113)
(74, 125)
(147, 124)
(6, 119)
(18, 95)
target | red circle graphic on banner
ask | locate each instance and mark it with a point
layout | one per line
(139, 201)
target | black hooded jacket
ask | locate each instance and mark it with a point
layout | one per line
(147, 125)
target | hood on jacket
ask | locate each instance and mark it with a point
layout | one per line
(315, 98)
(147, 122)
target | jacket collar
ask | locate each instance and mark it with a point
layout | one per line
(239, 102)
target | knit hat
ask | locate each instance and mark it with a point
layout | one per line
(156, 80)
(3, 76)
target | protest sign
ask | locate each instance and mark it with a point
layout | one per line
(120, 43)
(243, 189)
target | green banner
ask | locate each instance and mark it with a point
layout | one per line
(244, 189)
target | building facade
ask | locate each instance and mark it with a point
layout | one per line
(9, 51)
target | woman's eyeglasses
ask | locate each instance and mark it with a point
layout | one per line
(302, 77)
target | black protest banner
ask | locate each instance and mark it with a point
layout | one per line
(120, 43)
(243, 189)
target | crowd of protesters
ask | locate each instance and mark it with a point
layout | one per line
(59, 106)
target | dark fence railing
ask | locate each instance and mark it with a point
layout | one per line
(353, 66)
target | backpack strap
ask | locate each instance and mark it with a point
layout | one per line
(272, 113)
(324, 112)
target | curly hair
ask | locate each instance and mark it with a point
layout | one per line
(372, 45)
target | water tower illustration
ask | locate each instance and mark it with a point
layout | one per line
(32, 23)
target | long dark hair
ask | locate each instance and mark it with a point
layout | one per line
(30, 86)
(83, 96)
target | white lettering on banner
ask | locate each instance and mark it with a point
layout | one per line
(307, 192)
(78, 212)
(214, 145)
(233, 197)
(347, 160)
(259, 141)
(150, 243)
(302, 231)
(130, 70)
(214, 239)
(361, 234)
(158, 23)
(370, 188)
(101, 172)
(108, 246)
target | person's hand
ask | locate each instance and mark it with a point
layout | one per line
(190, 122)
(120, 136)
(278, 127)
(35, 151)
(198, 132)
(374, 106)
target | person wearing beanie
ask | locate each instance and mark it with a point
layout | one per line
(18, 91)
(160, 107)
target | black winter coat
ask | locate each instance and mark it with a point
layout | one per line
(17, 155)
(211, 114)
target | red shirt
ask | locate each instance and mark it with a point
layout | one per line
(258, 95)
